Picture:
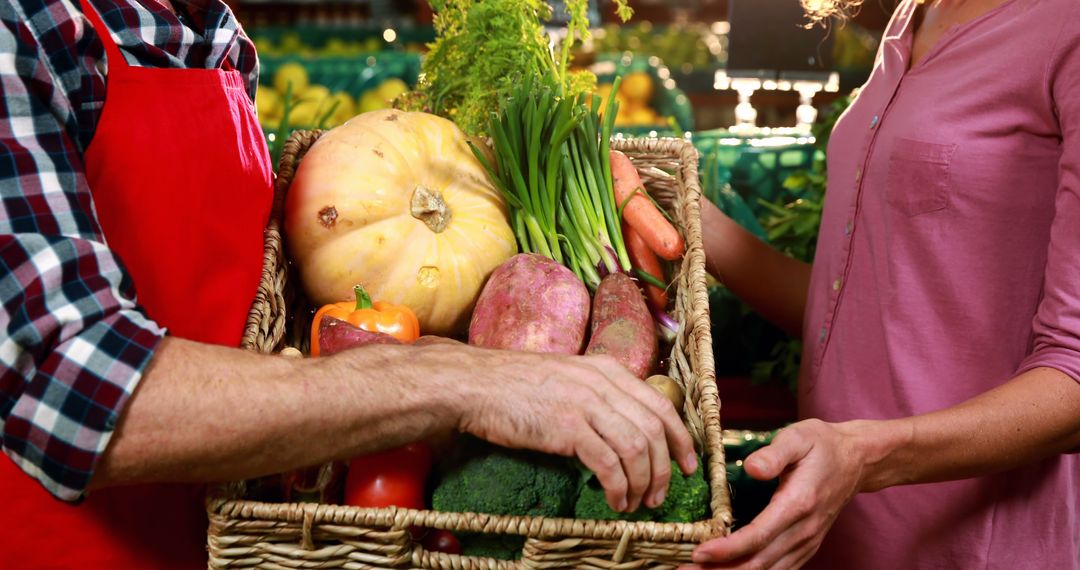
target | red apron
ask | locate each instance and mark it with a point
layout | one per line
(182, 186)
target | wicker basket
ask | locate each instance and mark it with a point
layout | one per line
(251, 534)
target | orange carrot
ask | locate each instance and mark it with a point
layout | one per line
(644, 259)
(640, 213)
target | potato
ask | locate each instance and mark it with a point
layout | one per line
(291, 352)
(669, 388)
(533, 304)
(622, 326)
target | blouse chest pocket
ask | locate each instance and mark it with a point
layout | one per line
(919, 180)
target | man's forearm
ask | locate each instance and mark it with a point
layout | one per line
(1033, 416)
(206, 413)
(774, 284)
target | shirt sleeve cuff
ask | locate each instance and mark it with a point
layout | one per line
(1064, 360)
(59, 428)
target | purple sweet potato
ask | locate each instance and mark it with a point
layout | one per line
(622, 326)
(531, 303)
(336, 335)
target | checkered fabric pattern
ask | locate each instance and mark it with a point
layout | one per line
(73, 340)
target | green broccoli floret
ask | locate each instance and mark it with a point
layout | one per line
(687, 500)
(484, 478)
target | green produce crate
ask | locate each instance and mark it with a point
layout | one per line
(754, 165)
(338, 39)
(352, 74)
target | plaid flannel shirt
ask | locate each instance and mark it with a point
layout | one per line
(73, 340)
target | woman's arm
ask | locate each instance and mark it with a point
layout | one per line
(774, 284)
(822, 466)
(1034, 416)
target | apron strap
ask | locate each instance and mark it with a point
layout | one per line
(227, 63)
(112, 51)
(114, 58)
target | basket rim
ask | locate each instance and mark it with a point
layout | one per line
(396, 518)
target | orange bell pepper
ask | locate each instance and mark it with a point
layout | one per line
(397, 321)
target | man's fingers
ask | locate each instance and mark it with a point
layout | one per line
(659, 457)
(679, 442)
(652, 427)
(632, 446)
(598, 456)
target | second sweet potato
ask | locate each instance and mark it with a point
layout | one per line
(336, 335)
(622, 326)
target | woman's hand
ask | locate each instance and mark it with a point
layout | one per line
(821, 467)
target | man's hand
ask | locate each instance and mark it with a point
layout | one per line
(377, 397)
(589, 407)
(821, 467)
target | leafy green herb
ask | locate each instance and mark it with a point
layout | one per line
(484, 47)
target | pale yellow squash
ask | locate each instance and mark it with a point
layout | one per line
(398, 203)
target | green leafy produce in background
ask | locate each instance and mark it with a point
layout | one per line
(792, 227)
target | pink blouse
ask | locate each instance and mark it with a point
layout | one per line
(949, 262)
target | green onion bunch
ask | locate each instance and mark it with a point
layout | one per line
(551, 162)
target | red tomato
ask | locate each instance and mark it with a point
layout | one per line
(442, 541)
(393, 478)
